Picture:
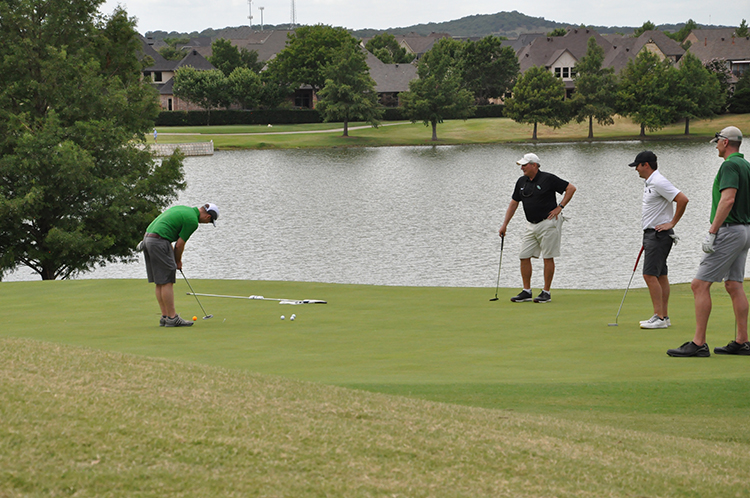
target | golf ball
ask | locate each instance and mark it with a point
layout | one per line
(282, 317)
(292, 317)
(195, 318)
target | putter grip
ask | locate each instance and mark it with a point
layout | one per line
(638, 259)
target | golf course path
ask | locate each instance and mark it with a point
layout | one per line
(288, 132)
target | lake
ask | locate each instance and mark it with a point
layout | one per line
(426, 216)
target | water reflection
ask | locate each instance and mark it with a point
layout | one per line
(426, 216)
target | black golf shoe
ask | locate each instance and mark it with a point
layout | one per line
(522, 297)
(690, 349)
(543, 297)
(734, 348)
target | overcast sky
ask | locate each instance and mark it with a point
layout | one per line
(197, 15)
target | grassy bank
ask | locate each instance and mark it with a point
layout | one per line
(473, 131)
(467, 397)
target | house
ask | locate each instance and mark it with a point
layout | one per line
(625, 48)
(559, 54)
(390, 79)
(418, 44)
(711, 44)
(162, 73)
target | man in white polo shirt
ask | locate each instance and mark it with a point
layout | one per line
(658, 220)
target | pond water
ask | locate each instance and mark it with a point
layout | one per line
(426, 216)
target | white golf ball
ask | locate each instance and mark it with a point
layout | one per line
(282, 317)
(292, 318)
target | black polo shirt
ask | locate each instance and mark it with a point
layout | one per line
(538, 195)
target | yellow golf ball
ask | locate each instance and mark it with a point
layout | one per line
(195, 318)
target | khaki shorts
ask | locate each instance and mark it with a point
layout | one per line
(542, 239)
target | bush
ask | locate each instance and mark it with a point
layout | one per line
(739, 103)
(237, 117)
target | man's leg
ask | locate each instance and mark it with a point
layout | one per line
(740, 305)
(702, 295)
(165, 296)
(656, 291)
(549, 273)
(665, 290)
(526, 273)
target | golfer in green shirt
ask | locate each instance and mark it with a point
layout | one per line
(726, 247)
(173, 226)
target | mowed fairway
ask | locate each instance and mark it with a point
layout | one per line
(468, 397)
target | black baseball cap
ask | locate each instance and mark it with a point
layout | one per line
(644, 157)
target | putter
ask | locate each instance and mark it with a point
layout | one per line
(205, 315)
(502, 243)
(626, 289)
(261, 298)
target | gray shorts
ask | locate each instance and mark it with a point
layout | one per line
(728, 260)
(656, 248)
(160, 264)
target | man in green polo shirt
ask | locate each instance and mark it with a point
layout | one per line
(173, 226)
(726, 247)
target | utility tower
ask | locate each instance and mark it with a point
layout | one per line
(261, 17)
(250, 12)
(293, 20)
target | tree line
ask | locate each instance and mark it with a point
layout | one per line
(454, 76)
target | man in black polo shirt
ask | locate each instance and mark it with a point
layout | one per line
(538, 191)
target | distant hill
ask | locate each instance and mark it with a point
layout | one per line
(508, 24)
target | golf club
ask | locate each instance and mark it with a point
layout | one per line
(502, 243)
(205, 315)
(628, 287)
(261, 298)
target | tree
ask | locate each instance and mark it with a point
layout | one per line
(646, 92)
(386, 48)
(697, 91)
(308, 51)
(679, 36)
(438, 93)
(245, 88)
(206, 89)
(349, 91)
(171, 52)
(76, 190)
(739, 103)
(647, 26)
(558, 32)
(596, 87)
(742, 31)
(227, 57)
(538, 97)
(489, 69)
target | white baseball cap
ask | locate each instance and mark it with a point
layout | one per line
(731, 133)
(528, 158)
(213, 210)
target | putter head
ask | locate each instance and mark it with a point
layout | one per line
(612, 324)
(494, 299)
(207, 317)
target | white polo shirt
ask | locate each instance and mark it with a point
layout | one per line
(658, 195)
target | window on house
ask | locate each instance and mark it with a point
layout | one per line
(558, 72)
(157, 75)
(566, 72)
(169, 104)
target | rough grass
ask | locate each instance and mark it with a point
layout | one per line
(472, 131)
(79, 422)
(467, 397)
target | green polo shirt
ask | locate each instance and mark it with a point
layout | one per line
(734, 172)
(177, 222)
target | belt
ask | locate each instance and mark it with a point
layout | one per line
(157, 236)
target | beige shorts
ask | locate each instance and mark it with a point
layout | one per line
(542, 239)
